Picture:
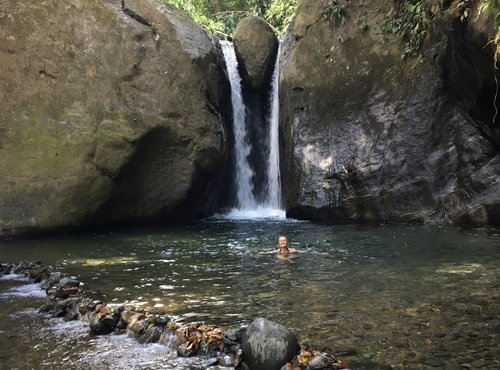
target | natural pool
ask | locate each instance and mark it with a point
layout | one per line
(408, 296)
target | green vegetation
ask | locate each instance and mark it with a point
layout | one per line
(409, 21)
(335, 9)
(220, 17)
(492, 7)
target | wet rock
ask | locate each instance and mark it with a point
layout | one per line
(478, 364)
(38, 273)
(63, 293)
(137, 324)
(368, 326)
(68, 282)
(267, 345)
(91, 306)
(226, 360)
(126, 316)
(48, 306)
(210, 362)
(71, 306)
(319, 361)
(104, 321)
(23, 266)
(51, 280)
(6, 268)
(151, 334)
(346, 352)
(161, 320)
(235, 334)
(434, 362)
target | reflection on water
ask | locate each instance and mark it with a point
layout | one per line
(408, 296)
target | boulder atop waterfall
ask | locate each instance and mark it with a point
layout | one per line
(256, 47)
(267, 345)
(109, 111)
(377, 128)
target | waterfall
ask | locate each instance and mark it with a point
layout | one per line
(244, 173)
(247, 206)
(273, 165)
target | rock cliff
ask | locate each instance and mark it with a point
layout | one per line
(109, 111)
(378, 129)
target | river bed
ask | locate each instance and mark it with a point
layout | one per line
(412, 297)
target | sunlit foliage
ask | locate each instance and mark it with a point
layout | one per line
(220, 17)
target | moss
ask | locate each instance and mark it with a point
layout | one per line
(45, 145)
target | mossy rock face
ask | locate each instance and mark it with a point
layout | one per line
(256, 47)
(371, 136)
(107, 114)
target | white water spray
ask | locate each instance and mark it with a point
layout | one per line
(244, 173)
(273, 165)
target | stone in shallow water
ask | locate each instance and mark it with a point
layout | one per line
(434, 362)
(319, 362)
(267, 345)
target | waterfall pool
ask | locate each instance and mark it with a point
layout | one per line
(408, 296)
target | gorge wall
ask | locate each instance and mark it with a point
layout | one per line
(373, 133)
(109, 111)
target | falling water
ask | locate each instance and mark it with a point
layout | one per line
(273, 164)
(244, 173)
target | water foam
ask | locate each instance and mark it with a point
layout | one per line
(255, 213)
(11, 277)
(25, 291)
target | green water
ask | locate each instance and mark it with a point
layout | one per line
(408, 296)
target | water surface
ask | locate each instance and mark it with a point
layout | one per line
(407, 296)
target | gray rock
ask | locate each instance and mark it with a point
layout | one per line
(319, 361)
(124, 122)
(256, 47)
(370, 136)
(68, 282)
(51, 280)
(267, 345)
(235, 334)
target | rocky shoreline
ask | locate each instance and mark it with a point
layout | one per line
(263, 345)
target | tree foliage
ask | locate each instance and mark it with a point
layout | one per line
(220, 17)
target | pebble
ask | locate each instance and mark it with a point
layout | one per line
(368, 326)
(434, 362)
(478, 363)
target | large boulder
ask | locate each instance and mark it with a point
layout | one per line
(267, 345)
(256, 47)
(378, 128)
(108, 112)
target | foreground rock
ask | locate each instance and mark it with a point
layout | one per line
(268, 345)
(375, 133)
(256, 47)
(107, 114)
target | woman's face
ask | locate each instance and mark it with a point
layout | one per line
(282, 242)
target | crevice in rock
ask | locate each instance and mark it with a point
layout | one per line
(298, 37)
(141, 20)
(44, 73)
(106, 172)
(134, 15)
